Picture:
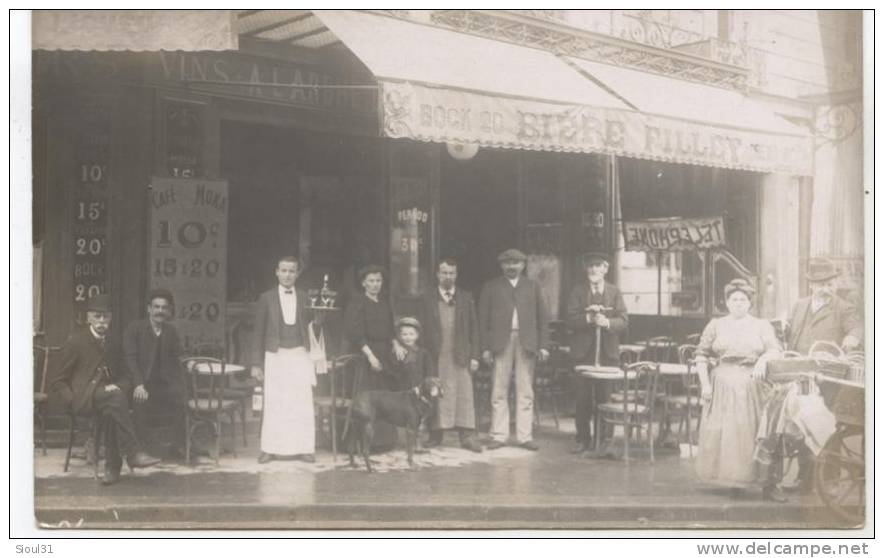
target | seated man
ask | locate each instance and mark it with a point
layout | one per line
(152, 350)
(90, 378)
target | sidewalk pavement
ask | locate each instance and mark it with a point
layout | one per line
(452, 488)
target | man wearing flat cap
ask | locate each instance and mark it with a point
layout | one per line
(823, 316)
(91, 378)
(596, 314)
(152, 350)
(513, 332)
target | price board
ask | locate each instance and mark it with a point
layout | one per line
(188, 254)
(90, 201)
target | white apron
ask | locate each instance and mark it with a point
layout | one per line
(288, 424)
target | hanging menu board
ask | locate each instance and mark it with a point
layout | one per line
(188, 254)
(89, 207)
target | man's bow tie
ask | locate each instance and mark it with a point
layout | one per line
(289, 291)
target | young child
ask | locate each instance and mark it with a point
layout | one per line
(417, 364)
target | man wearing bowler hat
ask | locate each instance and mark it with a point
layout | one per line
(91, 378)
(823, 316)
(513, 332)
(596, 314)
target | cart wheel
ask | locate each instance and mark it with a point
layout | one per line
(840, 476)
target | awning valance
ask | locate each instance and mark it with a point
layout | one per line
(444, 86)
(136, 30)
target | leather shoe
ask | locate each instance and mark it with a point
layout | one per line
(265, 458)
(434, 440)
(494, 444)
(141, 459)
(307, 458)
(774, 494)
(111, 474)
(529, 445)
(472, 445)
(579, 448)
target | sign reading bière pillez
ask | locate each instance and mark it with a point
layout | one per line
(89, 222)
(188, 254)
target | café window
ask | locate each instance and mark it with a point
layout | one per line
(686, 282)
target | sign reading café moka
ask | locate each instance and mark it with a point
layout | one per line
(444, 115)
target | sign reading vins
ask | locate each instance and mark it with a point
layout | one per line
(89, 219)
(188, 254)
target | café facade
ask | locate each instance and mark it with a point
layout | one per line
(194, 164)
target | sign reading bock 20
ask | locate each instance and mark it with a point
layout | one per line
(674, 234)
(188, 254)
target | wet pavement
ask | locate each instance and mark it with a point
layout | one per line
(451, 488)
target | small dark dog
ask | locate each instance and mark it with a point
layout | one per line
(400, 408)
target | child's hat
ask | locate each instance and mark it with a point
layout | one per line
(408, 321)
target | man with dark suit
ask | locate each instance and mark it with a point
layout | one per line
(90, 378)
(513, 331)
(280, 359)
(823, 316)
(595, 312)
(153, 350)
(451, 335)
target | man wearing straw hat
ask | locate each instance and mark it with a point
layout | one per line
(596, 314)
(823, 316)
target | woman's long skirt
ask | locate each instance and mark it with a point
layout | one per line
(729, 426)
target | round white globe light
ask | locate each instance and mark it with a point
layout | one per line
(462, 151)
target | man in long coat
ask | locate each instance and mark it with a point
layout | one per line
(594, 305)
(91, 379)
(451, 335)
(152, 350)
(514, 333)
(280, 359)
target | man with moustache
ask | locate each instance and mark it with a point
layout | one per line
(451, 335)
(91, 378)
(152, 350)
(281, 361)
(514, 332)
(595, 311)
(823, 316)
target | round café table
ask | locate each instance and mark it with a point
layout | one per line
(598, 375)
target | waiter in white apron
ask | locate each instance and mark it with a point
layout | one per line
(280, 359)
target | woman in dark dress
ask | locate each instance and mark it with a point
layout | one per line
(369, 327)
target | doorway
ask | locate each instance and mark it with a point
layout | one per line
(479, 215)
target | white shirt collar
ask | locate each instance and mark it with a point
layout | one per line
(513, 282)
(817, 303)
(600, 287)
(442, 291)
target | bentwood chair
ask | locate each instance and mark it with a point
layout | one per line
(333, 395)
(206, 405)
(660, 349)
(41, 368)
(549, 383)
(634, 411)
(683, 401)
(241, 393)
